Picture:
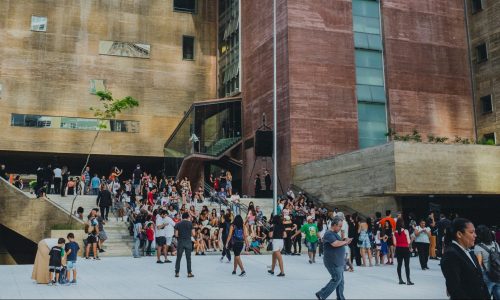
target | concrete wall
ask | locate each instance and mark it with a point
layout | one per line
(484, 28)
(371, 179)
(447, 169)
(48, 72)
(29, 217)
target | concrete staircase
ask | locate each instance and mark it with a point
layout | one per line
(119, 241)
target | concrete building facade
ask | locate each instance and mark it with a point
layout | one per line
(484, 33)
(55, 54)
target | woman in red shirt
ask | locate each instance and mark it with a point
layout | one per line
(401, 239)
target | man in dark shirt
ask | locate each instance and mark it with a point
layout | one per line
(184, 232)
(267, 180)
(334, 260)
(104, 201)
(55, 261)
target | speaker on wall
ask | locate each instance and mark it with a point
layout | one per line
(264, 143)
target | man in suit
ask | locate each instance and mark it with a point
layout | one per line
(461, 270)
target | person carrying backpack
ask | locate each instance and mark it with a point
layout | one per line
(487, 252)
(238, 237)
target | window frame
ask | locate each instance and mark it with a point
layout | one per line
(478, 51)
(185, 11)
(45, 25)
(475, 9)
(482, 100)
(193, 52)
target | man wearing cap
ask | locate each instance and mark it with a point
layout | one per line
(310, 229)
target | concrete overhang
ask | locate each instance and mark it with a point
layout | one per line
(403, 168)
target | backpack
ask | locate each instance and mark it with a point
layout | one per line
(494, 271)
(238, 234)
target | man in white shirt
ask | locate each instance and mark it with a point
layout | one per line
(161, 236)
(57, 180)
(169, 234)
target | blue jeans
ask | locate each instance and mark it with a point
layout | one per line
(493, 287)
(236, 209)
(336, 283)
(137, 244)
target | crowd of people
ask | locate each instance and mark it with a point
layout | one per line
(169, 218)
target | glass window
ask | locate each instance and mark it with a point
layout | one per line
(486, 105)
(188, 6)
(365, 8)
(372, 124)
(477, 6)
(367, 25)
(187, 47)
(368, 59)
(72, 123)
(370, 93)
(369, 76)
(38, 23)
(482, 53)
(96, 85)
(367, 41)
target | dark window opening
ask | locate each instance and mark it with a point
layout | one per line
(486, 105)
(188, 6)
(188, 47)
(477, 6)
(489, 139)
(482, 53)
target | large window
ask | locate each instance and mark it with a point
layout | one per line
(486, 105)
(38, 23)
(372, 124)
(40, 121)
(188, 6)
(187, 47)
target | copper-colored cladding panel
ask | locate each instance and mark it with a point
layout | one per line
(316, 101)
(427, 68)
(323, 110)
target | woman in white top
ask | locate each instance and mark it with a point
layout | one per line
(422, 241)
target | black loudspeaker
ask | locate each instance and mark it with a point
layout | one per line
(264, 143)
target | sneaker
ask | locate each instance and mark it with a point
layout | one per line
(234, 273)
(167, 261)
(159, 262)
(50, 283)
(101, 251)
(202, 253)
(281, 275)
(243, 273)
(310, 261)
(97, 258)
(190, 275)
(73, 281)
(270, 272)
(318, 296)
(176, 274)
(55, 283)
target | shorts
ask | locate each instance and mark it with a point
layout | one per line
(161, 241)
(57, 270)
(71, 264)
(169, 240)
(237, 248)
(91, 239)
(277, 245)
(102, 235)
(311, 247)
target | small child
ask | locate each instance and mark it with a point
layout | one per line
(71, 249)
(150, 233)
(55, 262)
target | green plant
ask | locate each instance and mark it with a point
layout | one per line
(431, 138)
(440, 139)
(66, 226)
(416, 136)
(109, 108)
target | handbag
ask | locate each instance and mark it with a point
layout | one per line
(270, 246)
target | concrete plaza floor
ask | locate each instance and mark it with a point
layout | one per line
(142, 278)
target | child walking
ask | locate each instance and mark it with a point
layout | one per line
(55, 262)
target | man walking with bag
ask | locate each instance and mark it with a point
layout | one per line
(334, 260)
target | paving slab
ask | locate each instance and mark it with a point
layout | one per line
(142, 278)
